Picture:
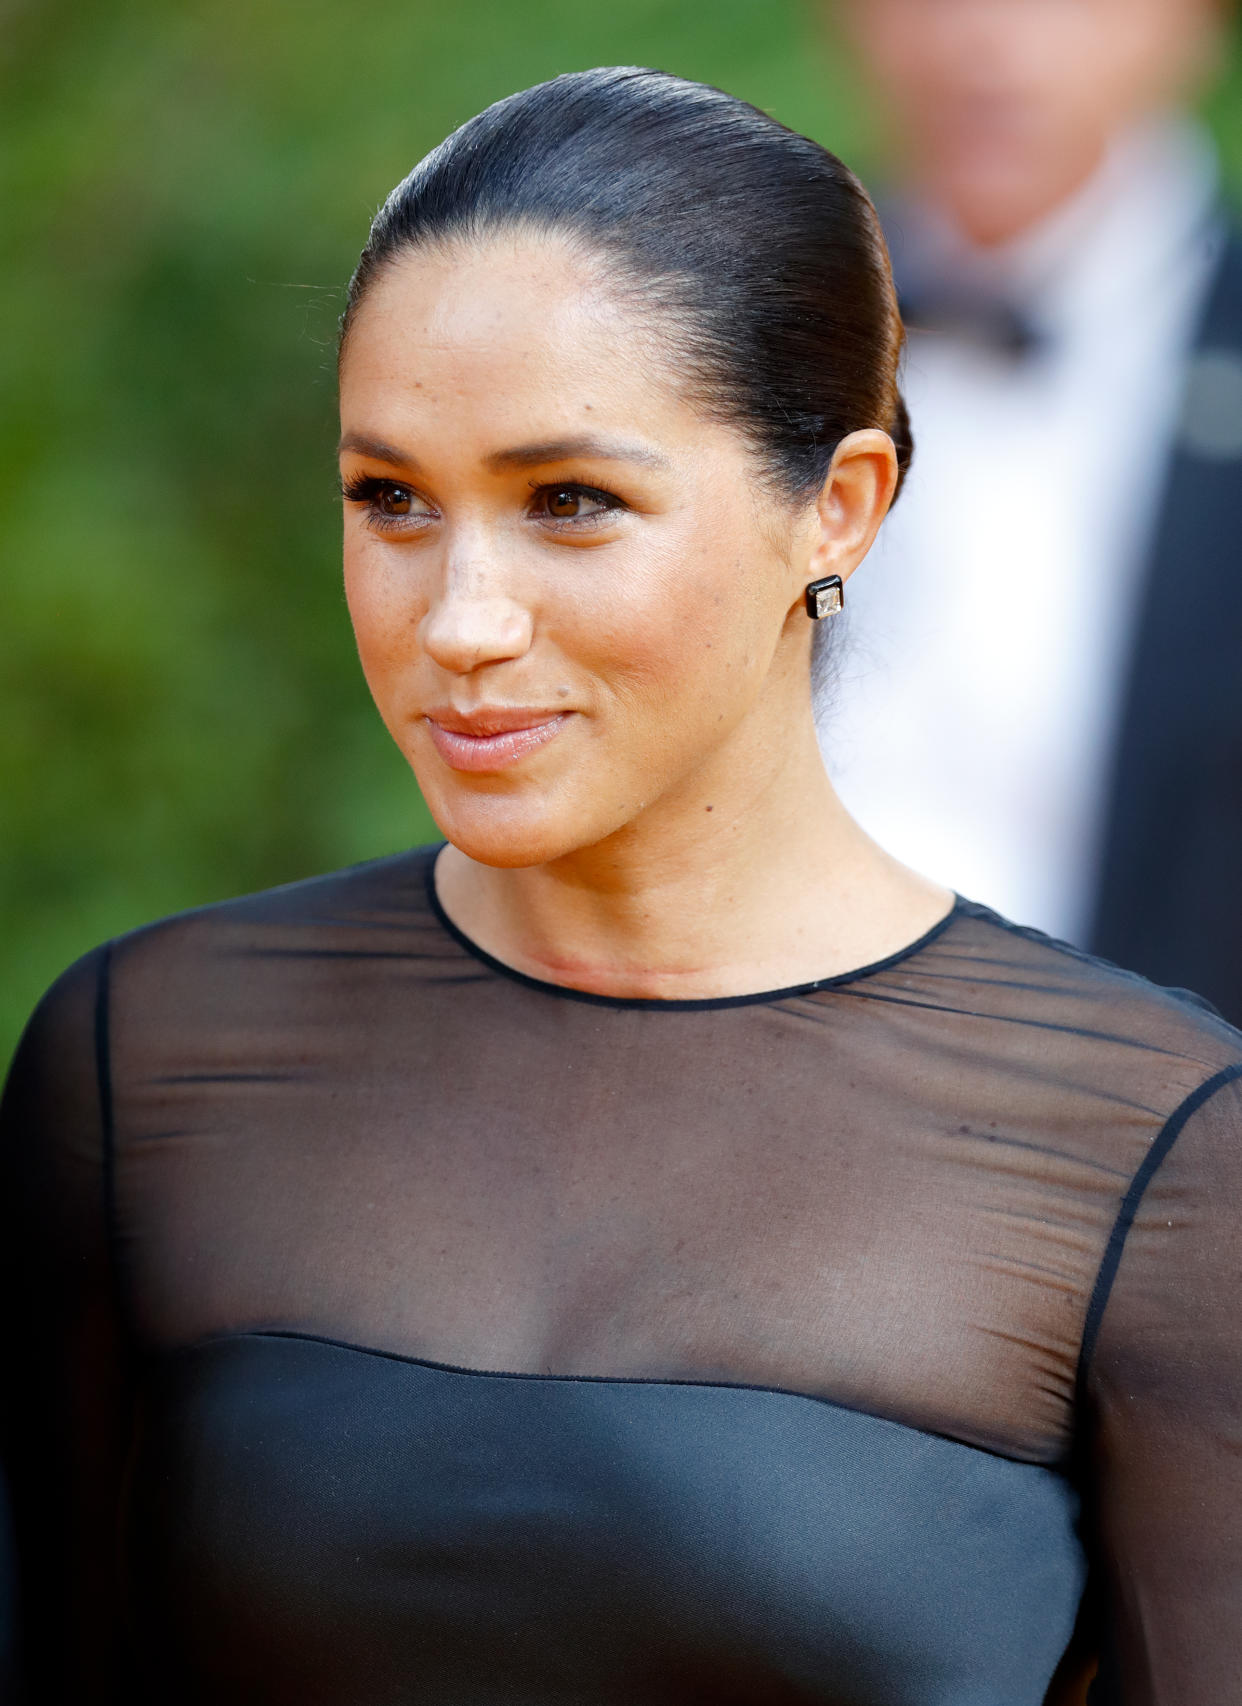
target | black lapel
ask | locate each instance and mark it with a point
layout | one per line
(1170, 895)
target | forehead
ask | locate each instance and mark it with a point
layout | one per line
(511, 329)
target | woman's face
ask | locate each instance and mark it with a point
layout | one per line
(574, 600)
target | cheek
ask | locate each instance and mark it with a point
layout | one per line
(385, 609)
(679, 642)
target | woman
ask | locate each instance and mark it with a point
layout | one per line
(655, 1248)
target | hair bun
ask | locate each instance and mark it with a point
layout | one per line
(903, 439)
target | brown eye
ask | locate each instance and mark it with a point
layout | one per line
(574, 503)
(394, 500)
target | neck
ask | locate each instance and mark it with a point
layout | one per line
(752, 877)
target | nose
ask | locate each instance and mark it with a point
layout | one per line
(474, 619)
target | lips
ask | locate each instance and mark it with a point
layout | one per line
(491, 739)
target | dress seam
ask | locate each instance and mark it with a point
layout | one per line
(538, 1377)
(1110, 1262)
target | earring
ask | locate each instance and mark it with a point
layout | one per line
(825, 598)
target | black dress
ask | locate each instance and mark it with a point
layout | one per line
(385, 1327)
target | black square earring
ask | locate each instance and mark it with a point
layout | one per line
(825, 598)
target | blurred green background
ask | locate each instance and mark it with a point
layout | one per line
(186, 186)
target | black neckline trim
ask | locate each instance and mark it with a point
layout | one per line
(698, 1004)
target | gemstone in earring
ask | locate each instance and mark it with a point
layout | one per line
(825, 598)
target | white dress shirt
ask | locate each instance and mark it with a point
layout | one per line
(974, 683)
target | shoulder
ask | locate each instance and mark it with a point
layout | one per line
(1054, 974)
(392, 889)
(57, 1057)
(216, 954)
(1107, 1037)
(334, 909)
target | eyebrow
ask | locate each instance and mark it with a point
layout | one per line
(375, 448)
(520, 456)
(566, 449)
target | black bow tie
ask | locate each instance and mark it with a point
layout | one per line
(988, 321)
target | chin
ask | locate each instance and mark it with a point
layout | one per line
(509, 833)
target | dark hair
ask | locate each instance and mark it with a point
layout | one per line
(753, 246)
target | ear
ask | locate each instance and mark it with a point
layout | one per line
(853, 502)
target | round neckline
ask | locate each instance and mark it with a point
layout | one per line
(676, 1004)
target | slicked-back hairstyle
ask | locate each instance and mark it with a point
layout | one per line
(750, 249)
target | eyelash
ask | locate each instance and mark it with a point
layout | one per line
(366, 489)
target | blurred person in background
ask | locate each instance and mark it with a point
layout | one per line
(1044, 704)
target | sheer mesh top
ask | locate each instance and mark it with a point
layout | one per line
(985, 1191)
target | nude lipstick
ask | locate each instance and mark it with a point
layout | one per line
(491, 739)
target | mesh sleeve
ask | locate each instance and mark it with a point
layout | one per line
(63, 1410)
(1164, 1395)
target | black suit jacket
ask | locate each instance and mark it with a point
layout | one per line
(1170, 881)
